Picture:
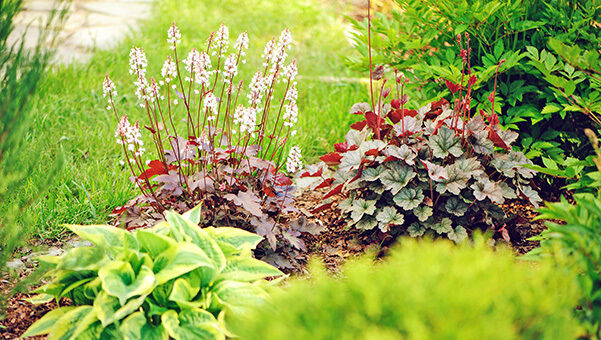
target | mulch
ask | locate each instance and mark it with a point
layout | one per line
(333, 246)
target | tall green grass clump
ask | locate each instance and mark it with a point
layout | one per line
(424, 290)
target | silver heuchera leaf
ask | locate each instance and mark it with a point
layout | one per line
(346, 205)
(508, 136)
(377, 188)
(476, 124)
(389, 216)
(519, 159)
(444, 226)
(445, 143)
(507, 191)
(503, 165)
(456, 206)
(482, 144)
(436, 172)
(408, 124)
(458, 235)
(531, 194)
(468, 167)
(354, 137)
(362, 207)
(367, 223)
(371, 145)
(416, 230)
(409, 198)
(360, 107)
(484, 188)
(372, 174)
(423, 212)
(403, 153)
(396, 177)
(350, 161)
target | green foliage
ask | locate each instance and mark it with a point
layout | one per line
(20, 74)
(173, 280)
(424, 290)
(538, 93)
(576, 244)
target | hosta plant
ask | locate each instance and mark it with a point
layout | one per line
(174, 280)
(218, 139)
(439, 169)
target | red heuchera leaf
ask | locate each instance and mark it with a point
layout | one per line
(493, 120)
(155, 167)
(389, 159)
(322, 207)
(373, 120)
(333, 158)
(372, 152)
(317, 173)
(452, 86)
(438, 125)
(439, 103)
(282, 179)
(472, 80)
(353, 147)
(325, 183)
(395, 103)
(335, 191)
(341, 147)
(396, 115)
(268, 190)
(359, 125)
(497, 140)
(359, 172)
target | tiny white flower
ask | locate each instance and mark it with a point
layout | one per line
(294, 163)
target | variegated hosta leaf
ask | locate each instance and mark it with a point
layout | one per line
(436, 172)
(482, 144)
(416, 229)
(458, 235)
(193, 323)
(389, 216)
(445, 143)
(119, 280)
(456, 206)
(248, 269)
(484, 188)
(396, 177)
(372, 174)
(444, 226)
(47, 322)
(362, 207)
(350, 161)
(402, 152)
(409, 198)
(366, 223)
(423, 212)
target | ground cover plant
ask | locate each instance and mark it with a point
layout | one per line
(423, 290)
(540, 92)
(71, 111)
(173, 280)
(441, 168)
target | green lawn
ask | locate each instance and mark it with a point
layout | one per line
(71, 114)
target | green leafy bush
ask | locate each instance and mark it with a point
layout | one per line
(424, 290)
(415, 40)
(173, 280)
(576, 243)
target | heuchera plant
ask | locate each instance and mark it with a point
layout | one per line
(439, 168)
(174, 280)
(230, 152)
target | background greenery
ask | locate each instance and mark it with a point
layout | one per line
(69, 111)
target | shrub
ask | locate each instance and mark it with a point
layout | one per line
(539, 105)
(228, 155)
(424, 290)
(436, 169)
(575, 243)
(174, 279)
